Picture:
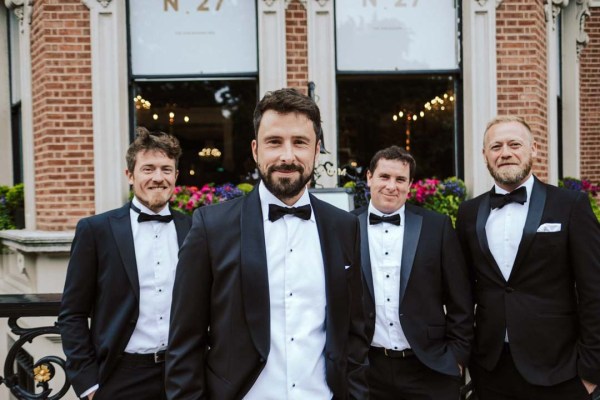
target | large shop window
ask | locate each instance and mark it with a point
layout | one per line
(397, 72)
(194, 74)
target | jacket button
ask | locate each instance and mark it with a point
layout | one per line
(371, 315)
(132, 322)
(508, 289)
(262, 360)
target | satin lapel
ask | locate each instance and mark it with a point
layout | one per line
(482, 216)
(335, 275)
(365, 256)
(120, 225)
(254, 273)
(182, 227)
(412, 231)
(537, 202)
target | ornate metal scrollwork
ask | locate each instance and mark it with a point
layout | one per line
(43, 370)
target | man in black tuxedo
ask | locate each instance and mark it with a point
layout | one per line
(121, 274)
(417, 293)
(268, 304)
(534, 250)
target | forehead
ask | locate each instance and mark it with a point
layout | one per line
(293, 123)
(153, 157)
(392, 167)
(507, 131)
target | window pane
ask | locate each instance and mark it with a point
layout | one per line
(213, 121)
(374, 113)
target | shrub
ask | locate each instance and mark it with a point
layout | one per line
(12, 200)
(583, 186)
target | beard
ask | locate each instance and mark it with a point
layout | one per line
(513, 175)
(284, 188)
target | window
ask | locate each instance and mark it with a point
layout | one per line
(211, 118)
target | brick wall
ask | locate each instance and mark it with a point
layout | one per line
(522, 72)
(296, 38)
(589, 65)
(62, 113)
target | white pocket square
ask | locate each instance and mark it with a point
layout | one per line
(347, 266)
(549, 228)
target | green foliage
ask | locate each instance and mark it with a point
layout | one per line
(11, 200)
(582, 185)
(441, 196)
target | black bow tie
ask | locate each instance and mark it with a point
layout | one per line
(516, 196)
(377, 219)
(276, 212)
(143, 217)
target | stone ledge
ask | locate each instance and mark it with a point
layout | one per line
(28, 241)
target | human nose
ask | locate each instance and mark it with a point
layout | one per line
(157, 175)
(287, 152)
(505, 152)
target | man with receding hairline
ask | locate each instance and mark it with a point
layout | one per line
(534, 253)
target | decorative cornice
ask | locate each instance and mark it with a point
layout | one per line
(553, 8)
(269, 3)
(91, 4)
(322, 3)
(18, 6)
(583, 13)
(482, 3)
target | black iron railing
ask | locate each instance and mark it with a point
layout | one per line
(23, 380)
(22, 374)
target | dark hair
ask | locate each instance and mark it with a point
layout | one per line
(287, 101)
(153, 141)
(394, 153)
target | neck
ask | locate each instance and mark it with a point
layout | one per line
(510, 187)
(290, 201)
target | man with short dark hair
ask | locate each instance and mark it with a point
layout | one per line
(269, 293)
(121, 274)
(534, 251)
(417, 293)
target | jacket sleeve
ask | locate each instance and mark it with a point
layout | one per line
(190, 316)
(584, 250)
(358, 344)
(76, 307)
(457, 296)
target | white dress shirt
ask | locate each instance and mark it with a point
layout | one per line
(504, 230)
(156, 255)
(385, 250)
(295, 368)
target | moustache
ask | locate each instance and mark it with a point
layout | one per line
(287, 168)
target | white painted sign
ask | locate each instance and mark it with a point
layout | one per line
(396, 35)
(192, 37)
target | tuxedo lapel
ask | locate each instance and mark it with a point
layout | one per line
(364, 251)
(335, 275)
(534, 216)
(254, 273)
(482, 216)
(412, 231)
(120, 225)
(181, 226)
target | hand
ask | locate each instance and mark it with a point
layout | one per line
(460, 369)
(589, 386)
(91, 395)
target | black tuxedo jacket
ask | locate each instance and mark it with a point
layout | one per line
(220, 329)
(102, 283)
(550, 304)
(433, 275)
